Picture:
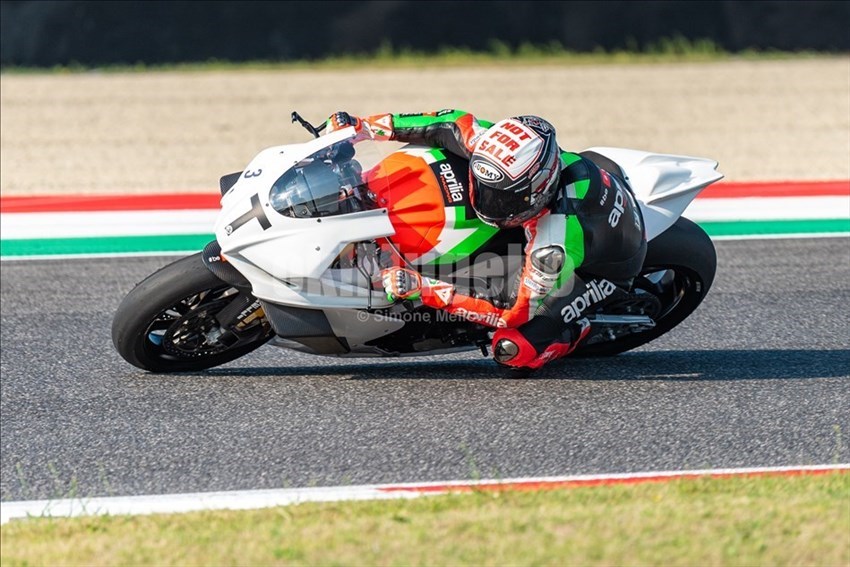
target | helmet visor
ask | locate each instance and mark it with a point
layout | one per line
(499, 205)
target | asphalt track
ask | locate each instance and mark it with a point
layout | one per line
(758, 376)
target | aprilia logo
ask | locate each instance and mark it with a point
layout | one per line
(617, 211)
(453, 186)
(595, 293)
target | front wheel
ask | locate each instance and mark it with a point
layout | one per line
(676, 275)
(183, 318)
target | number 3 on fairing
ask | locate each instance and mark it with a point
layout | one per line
(256, 212)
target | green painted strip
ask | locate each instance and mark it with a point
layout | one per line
(808, 226)
(483, 233)
(187, 242)
(108, 245)
(437, 153)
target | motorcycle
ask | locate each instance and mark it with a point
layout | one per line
(305, 230)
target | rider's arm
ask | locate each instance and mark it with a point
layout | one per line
(452, 130)
(555, 248)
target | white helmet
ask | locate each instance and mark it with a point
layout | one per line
(513, 171)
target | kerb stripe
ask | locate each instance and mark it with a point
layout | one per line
(605, 480)
(174, 201)
(255, 499)
(732, 190)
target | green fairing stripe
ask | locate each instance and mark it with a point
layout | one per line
(483, 233)
(437, 153)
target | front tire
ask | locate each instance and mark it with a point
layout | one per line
(168, 322)
(678, 270)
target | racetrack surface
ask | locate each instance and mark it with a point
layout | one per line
(758, 376)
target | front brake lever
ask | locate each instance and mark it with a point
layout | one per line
(307, 126)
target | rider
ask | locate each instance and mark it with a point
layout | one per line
(585, 239)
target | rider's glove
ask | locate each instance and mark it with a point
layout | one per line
(401, 283)
(340, 120)
(378, 127)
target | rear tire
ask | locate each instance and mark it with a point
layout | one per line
(685, 251)
(163, 324)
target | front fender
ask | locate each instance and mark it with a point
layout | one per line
(222, 269)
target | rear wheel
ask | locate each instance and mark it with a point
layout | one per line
(677, 273)
(170, 321)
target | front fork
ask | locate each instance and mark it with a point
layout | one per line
(244, 311)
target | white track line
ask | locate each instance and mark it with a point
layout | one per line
(104, 224)
(768, 208)
(254, 499)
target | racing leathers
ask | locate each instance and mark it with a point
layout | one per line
(582, 249)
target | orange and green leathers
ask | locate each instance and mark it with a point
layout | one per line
(457, 132)
(542, 314)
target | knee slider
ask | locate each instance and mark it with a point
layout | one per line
(511, 348)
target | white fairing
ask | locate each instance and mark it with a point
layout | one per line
(663, 184)
(288, 262)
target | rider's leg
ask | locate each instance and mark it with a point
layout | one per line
(555, 330)
(559, 324)
(537, 342)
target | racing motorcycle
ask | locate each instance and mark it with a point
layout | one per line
(305, 230)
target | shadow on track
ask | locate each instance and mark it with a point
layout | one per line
(689, 365)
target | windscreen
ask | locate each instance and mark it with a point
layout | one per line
(329, 182)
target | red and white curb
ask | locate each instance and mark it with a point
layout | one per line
(255, 499)
(78, 216)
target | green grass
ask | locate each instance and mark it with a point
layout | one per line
(670, 50)
(739, 521)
